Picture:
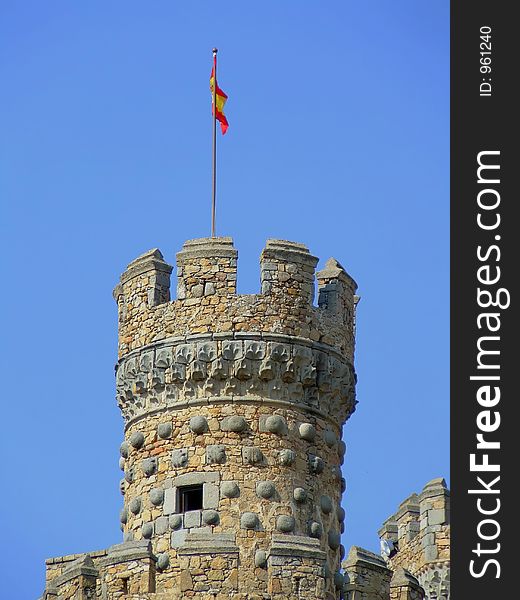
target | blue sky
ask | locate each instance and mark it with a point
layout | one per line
(338, 138)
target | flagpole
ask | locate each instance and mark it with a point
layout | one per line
(213, 203)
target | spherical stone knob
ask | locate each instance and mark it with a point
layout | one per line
(275, 424)
(210, 517)
(163, 560)
(339, 580)
(341, 514)
(249, 520)
(285, 523)
(343, 483)
(229, 489)
(135, 505)
(307, 432)
(198, 424)
(175, 521)
(299, 494)
(122, 464)
(236, 424)
(260, 559)
(137, 439)
(265, 489)
(315, 529)
(122, 486)
(149, 466)
(342, 551)
(342, 448)
(147, 530)
(330, 438)
(164, 430)
(123, 515)
(326, 504)
(334, 539)
(124, 450)
(156, 496)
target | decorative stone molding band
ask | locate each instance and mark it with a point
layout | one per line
(273, 368)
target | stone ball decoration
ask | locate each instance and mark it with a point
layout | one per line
(122, 464)
(149, 466)
(330, 438)
(175, 521)
(343, 483)
(326, 504)
(229, 489)
(299, 494)
(124, 450)
(285, 523)
(260, 559)
(341, 514)
(265, 489)
(286, 457)
(339, 580)
(275, 424)
(198, 424)
(210, 517)
(129, 475)
(342, 551)
(163, 560)
(137, 439)
(123, 515)
(156, 496)
(236, 424)
(249, 520)
(164, 430)
(307, 432)
(342, 448)
(334, 539)
(147, 530)
(122, 486)
(135, 505)
(315, 529)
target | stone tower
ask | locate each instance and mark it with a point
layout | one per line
(233, 408)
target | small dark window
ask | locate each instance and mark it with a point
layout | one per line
(190, 498)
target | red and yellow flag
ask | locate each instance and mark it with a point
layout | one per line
(221, 98)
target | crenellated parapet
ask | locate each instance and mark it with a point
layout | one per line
(207, 301)
(420, 531)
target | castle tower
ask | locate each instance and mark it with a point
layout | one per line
(233, 408)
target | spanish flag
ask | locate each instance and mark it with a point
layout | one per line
(221, 98)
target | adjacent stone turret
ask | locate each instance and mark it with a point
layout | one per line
(233, 408)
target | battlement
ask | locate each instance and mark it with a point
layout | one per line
(421, 531)
(207, 301)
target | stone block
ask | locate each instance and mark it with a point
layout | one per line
(170, 501)
(215, 454)
(436, 516)
(179, 458)
(210, 495)
(192, 518)
(178, 537)
(431, 553)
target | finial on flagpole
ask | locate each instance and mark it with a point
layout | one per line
(215, 50)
